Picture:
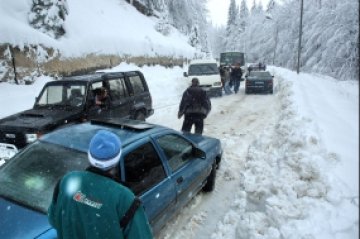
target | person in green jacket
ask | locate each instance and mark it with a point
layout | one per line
(92, 203)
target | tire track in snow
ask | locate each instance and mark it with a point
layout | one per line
(236, 120)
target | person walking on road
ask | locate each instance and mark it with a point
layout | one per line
(236, 74)
(227, 88)
(195, 105)
(93, 203)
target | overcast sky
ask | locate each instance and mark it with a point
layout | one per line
(218, 9)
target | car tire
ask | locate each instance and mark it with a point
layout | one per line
(246, 91)
(140, 115)
(210, 181)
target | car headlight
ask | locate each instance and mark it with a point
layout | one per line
(31, 137)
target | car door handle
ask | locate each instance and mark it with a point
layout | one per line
(180, 180)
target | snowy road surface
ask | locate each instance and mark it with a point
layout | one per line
(275, 179)
(237, 120)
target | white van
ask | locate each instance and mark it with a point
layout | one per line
(207, 71)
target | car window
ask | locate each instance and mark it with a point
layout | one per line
(177, 150)
(143, 168)
(203, 69)
(75, 95)
(51, 95)
(137, 84)
(30, 176)
(261, 74)
(63, 94)
(117, 89)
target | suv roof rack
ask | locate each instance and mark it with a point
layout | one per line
(123, 123)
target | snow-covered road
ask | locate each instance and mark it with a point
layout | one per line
(237, 120)
(274, 180)
(290, 163)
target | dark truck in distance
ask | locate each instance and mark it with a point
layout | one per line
(71, 100)
(229, 59)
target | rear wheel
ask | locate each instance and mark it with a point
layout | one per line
(210, 182)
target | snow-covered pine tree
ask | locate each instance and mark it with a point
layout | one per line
(231, 26)
(163, 25)
(48, 16)
(243, 22)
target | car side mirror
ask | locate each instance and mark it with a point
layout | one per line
(185, 74)
(198, 153)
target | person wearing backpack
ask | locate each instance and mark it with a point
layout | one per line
(195, 105)
(93, 203)
(236, 74)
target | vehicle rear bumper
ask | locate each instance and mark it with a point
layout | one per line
(258, 88)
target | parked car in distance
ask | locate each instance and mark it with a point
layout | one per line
(162, 166)
(72, 100)
(207, 71)
(259, 81)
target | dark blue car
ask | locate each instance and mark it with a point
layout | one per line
(164, 167)
(259, 81)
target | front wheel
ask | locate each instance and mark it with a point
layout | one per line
(210, 181)
(140, 116)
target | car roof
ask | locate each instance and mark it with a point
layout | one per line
(96, 76)
(78, 136)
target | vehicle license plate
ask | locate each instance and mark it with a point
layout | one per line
(259, 83)
(7, 151)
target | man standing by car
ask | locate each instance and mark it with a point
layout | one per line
(236, 74)
(92, 203)
(195, 105)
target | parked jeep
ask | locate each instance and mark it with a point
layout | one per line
(71, 100)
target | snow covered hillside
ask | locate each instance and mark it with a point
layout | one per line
(94, 27)
(290, 164)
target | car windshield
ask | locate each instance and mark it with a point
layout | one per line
(30, 176)
(62, 95)
(203, 69)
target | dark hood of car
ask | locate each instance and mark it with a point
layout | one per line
(38, 118)
(20, 222)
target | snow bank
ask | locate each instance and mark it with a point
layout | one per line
(286, 189)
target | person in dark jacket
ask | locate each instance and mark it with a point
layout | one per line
(92, 203)
(236, 74)
(195, 105)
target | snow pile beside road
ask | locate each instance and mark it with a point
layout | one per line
(285, 182)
